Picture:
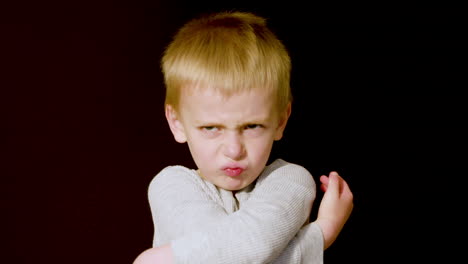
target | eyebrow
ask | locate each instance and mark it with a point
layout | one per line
(243, 124)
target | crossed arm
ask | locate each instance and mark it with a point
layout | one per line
(266, 229)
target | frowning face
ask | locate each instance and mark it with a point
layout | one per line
(230, 138)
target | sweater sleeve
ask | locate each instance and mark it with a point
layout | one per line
(305, 247)
(200, 230)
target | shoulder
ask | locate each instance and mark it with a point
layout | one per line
(173, 176)
(280, 163)
(178, 185)
(171, 172)
(288, 171)
(175, 170)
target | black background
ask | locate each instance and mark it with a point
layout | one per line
(376, 98)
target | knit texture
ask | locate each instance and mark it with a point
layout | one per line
(266, 222)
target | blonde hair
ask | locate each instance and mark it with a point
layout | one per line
(228, 51)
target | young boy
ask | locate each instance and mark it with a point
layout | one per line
(228, 97)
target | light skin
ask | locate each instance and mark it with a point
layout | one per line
(335, 208)
(230, 139)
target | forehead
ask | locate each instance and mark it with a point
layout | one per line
(210, 103)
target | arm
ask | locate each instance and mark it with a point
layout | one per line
(335, 209)
(257, 233)
(307, 246)
(156, 255)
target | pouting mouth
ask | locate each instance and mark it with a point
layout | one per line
(233, 171)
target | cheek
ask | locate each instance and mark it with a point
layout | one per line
(202, 150)
(261, 148)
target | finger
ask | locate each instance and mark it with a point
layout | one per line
(324, 187)
(340, 182)
(333, 183)
(324, 180)
(345, 191)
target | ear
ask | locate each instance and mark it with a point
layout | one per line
(282, 121)
(175, 124)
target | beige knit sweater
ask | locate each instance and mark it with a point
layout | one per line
(266, 222)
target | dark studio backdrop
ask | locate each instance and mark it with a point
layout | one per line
(375, 98)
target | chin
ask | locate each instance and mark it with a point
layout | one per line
(232, 187)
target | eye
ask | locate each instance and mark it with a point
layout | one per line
(253, 126)
(210, 131)
(209, 128)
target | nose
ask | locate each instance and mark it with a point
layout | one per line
(233, 146)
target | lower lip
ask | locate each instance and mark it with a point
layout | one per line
(233, 172)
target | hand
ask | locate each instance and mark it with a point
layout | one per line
(335, 207)
(158, 255)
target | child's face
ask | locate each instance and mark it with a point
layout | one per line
(230, 138)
